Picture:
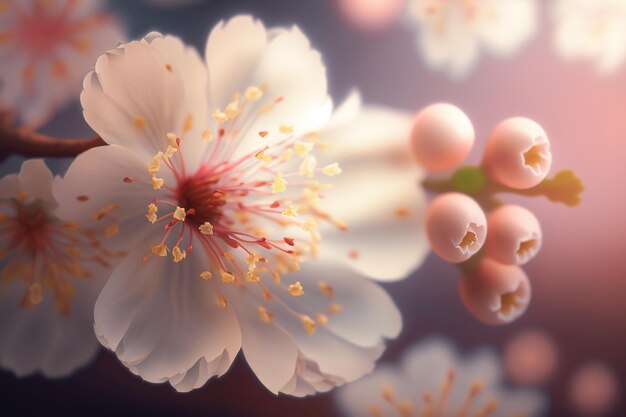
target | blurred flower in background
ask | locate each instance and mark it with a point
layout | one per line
(236, 207)
(593, 390)
(50, 275)
(593, 30)
(371, 15)
(530, 357)
(46, 48)
(433, 380)
(452, 34)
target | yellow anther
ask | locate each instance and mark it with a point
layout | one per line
(111, 230)
(265, 315)
(387, 393)
(178, 254)
(222, 302)
(160, 250)
(405, 409)
(276, 277)
(323, 145)
(308, 324)
(139, 122)
(313, 136)
(219, 116)
(291, 211)
(296, 289)
(170, 151)
(375, 411)
(100, 214)
(172, 138)
(307, 167)
(73, 251)
(180, 214)
(227, 277)
(322, 319)
(35, 293)
(155, 165)
(279, 185)
(310, 224)
(152, 211)
(207, 135)
(232, 110)
(252, 259)
(335, 308)
(188, 123)
(253, 93)
(206, 274)
(285, 129)
(331, 170)
(157, 183)
(302, 149)
(326, 289)
(286, 156)
(252, 277)
(206, 228)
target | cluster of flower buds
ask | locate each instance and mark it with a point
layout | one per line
(467, 225)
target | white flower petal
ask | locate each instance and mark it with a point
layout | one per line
(356, 399)
(286, 358)
(143, 90)
(373, 152)
(9, 186)
(292, 70)
(161, 318)
(368, 314)
(96, 179)
(269, 351)
(510, 25)
(36, 179)
(40, 339)
(232, 52)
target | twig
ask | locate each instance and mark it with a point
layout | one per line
(22, 141)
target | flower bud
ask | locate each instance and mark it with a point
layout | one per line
(514, 235)
(456, 227)
(517, 153)
(495, 293)
(442, 137)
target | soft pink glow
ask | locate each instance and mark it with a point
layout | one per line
(370, 15)
(530, 358)
(593, 390)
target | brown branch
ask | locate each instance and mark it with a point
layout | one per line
(22, 141)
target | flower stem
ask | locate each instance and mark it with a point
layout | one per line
(15, 140)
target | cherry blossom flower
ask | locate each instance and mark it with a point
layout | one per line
(239, 240)
(453, 33)
(432, 379)
(46, 48)
(50, 275)
(591, 30)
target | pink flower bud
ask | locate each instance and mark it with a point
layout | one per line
(514, 235)
(517, 153)
(442, 137)
(456, 227)
(495, 293)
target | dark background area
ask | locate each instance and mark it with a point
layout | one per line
(578, 278)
